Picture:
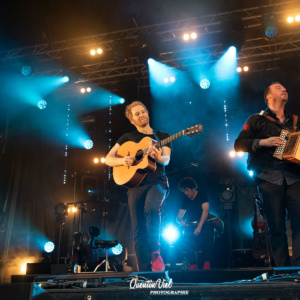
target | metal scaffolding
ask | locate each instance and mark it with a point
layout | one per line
(258, 52)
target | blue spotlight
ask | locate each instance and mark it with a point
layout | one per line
(88, 144)
(26, 70)
(117, 249)
(42, 104)
(225, 68)
(150, 61)
(65, 79)
(49, 247)
(251, 173)
(271, 31)
(204, 83)
(170, 233)
(122, 100)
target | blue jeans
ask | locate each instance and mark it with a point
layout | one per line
(144, 204)
(276, 200)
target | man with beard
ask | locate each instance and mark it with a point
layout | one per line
(145, 200)
(278, 181)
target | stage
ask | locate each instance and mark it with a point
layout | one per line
(239, 283)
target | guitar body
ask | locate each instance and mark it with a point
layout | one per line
(132, 176)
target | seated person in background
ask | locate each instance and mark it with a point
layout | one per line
(193, 218)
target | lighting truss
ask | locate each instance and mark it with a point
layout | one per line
(258, 51)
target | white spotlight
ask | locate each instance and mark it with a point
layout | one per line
(232, 154)
(82, 90)
(88, 89)
(194, 35)
(239, 69)
(172, 79)
(186, 37)
(166, 80)
(246, 69)
(93, 52)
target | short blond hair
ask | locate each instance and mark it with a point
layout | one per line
(128, 112)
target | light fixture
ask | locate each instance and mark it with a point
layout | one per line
(49, 247)
(204, 83)
(42, 104)
(26, 70)
(88, 144)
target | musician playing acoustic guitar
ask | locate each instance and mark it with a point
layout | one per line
(278, 181)
(145, 200)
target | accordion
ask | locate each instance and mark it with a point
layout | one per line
(290, 147)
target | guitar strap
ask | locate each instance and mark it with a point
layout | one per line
(295, 120)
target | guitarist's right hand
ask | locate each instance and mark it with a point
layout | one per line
(129, 160)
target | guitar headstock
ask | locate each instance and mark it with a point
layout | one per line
(196, 129)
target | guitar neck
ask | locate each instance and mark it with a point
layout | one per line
(170, 139)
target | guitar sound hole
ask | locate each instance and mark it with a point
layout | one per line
(139, 155)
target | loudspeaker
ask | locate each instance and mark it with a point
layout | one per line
(24, 291)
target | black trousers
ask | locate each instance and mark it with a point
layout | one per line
(277, 199)
(144, 205)
(204, 241)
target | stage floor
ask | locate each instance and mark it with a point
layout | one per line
(247, 283)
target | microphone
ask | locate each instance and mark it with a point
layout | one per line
(194, 164)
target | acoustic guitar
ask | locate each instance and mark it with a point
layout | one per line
(132, 176)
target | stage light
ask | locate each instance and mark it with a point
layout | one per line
(186, 37)
(88, 144)
(166, 80)
(122, 100)
(172, 79)
(82, 90)
(93, 52)
(26, 70)
(99, 51)
(251, 173)
(102, 160)
(270, 26)
(194, 35)
(65, 79)
(204, 83)
(240, 154)
(24, 268)
(227, 195)
(239, 69)
(49, 247)
(117, 250)
(88, 89)
(246, 69)
(297, 18)
(171, 234)
(42, 104)
(150, 61)
(232, 154)
(96, 160)
(74, 209)
(290, 19)
(271, 31)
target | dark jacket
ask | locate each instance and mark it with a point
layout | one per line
(261, 160)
